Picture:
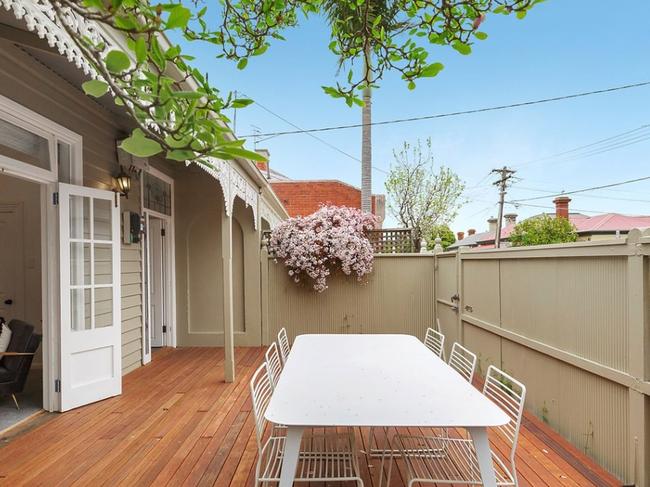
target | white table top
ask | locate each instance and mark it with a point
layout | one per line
(375, 380)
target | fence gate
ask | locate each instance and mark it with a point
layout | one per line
(447, 295)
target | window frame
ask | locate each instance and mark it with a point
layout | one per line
(28, 120)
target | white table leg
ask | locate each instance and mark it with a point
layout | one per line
(290, 458)
(484, 455)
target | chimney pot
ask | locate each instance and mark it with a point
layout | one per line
(471, 231)
(510, 218)
(492, 224)
(460, 235)
(263, 166)
(562, 206)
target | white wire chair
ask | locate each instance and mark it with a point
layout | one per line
(435, 341)
(274, 364)
(323, 457)
(283, 341)
(459, 464)
(463, 361)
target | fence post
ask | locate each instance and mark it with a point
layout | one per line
(437, 249)
(637, 306)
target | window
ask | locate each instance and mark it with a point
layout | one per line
(24, 146)
(157, 194)
(35, 147)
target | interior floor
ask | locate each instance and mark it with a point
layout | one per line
(30, 401)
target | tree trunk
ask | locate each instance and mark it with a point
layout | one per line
(366, 142)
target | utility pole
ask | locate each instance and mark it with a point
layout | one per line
(505, 175)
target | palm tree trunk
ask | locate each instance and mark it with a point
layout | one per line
(366, 141)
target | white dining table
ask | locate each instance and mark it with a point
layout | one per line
(376, 380)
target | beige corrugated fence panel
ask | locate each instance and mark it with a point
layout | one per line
(396, 298)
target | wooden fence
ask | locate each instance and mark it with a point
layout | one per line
(570, 321)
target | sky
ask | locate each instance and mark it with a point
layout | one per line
(560, 48)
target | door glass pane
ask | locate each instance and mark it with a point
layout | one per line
(103, 264)
(80, 309)
(103, 307)
(102, 219)
(23, 145)
(79, 264)
(65, 163)
(79, 217)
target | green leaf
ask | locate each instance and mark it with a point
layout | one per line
(180, 155)
(521, 14)
(461, 47)
(242, 63)
(241, 102)
(481, 36)
(333, 92)
(95, 88)
(178, 18)
(188, 95)
(140, 50)
(432, 70)
(238, 152)
(139, 145)
(260, 50)
(125, 22)
(411, 85)
(117, 61)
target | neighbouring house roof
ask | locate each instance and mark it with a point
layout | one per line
(585, 225)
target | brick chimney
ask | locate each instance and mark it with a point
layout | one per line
(264, 166)
(492, 224)
(562, 206)
(510, 218)
(460, 235)
(471, 231)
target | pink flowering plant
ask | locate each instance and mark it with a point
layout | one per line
(333, 238)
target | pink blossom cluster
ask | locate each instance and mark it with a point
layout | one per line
(332, 238)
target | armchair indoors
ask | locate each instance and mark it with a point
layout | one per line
(17, 360)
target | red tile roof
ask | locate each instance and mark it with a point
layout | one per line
(605, 223)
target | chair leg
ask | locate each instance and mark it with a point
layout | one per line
(15, 401)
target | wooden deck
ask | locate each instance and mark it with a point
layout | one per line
(178, 423)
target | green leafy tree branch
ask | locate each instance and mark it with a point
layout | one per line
(543, 230)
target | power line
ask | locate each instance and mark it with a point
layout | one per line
(616, 137)
(464, 112)
(328, 144)
(597, 196)
(584, 189)
(517, 204)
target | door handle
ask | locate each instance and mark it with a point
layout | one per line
(9, 302)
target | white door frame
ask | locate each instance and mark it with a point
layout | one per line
(47, 180)
(170, 261)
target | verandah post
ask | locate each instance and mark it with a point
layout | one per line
(228, 310)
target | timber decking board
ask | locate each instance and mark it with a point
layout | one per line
(178, 423)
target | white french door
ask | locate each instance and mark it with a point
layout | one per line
(89, 239)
